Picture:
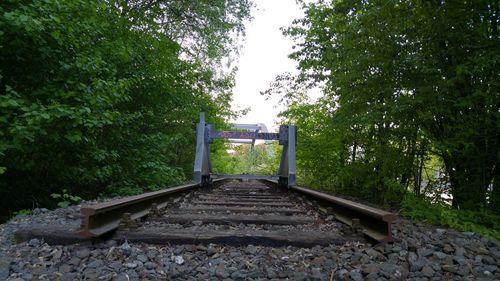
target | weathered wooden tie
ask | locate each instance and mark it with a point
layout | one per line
(236, 219)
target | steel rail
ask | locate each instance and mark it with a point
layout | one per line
(103, 218)
(375, 223)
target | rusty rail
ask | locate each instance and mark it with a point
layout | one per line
(105, 217)
(376, 223)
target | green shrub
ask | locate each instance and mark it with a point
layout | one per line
(481, 221)
(65, 199)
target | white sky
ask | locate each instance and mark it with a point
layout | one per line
(264, 55)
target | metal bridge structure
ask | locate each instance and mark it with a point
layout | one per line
(257, 128)
(206, 134)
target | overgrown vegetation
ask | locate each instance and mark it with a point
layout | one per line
(402, 82)
(102, 97)
(480, 221)
(264, 159)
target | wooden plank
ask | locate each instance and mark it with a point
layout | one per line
(50, 235)
(234, 237)
(222, 195)
(239, 199)
(240, 209)
(232, 219)
(226, 203)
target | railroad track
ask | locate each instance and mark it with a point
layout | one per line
(231, 212)
(239, 213)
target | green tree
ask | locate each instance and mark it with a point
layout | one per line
(400, 81)
(101, 97)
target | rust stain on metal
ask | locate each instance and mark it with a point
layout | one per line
(102, 218)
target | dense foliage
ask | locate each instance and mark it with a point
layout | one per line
(480, 221)
(402, 82)
(102, 97)
(263, 159)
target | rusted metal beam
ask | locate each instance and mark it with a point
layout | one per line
(102, 218)
(375, 223)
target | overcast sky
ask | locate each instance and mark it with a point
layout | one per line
(264, 55)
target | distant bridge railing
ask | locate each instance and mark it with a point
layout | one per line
(206, 134)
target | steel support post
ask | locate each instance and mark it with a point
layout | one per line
(287, 172)
(292, 139)
(202, 165)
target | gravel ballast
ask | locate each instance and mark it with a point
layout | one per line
(422, 252)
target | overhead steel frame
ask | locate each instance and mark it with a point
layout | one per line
(205, 135)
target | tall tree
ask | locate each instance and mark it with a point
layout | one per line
(102, 96)
(403, 77)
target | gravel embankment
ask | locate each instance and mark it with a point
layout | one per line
(422, 253)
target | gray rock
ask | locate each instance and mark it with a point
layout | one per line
(64, 268)
(393, 258)
(121, 277)
(375, 254)
(448, 249)
(411, 256)
(152, 254)
(251, 249)
(34, 243)
(174, 272)
(74, 261)
(341, 275)
(238, 275)
(130, 265)
(116, 265)
(424, 252)
(417, 265)
(126, 249)
(150, 265)
(270, 273)
(436, 266)
(488, 260)
(451, 268)
(490, 268)
(211, 250)
(110, 243)
(370, 268)
(356, 275)
(316, 274)
(300, 275)
(459, 251)
(427, 271)
(90, 274)
(197, 223)
(142, 258)
(440, 231)
(440, 255)
(178, 260)
(95, 264)
(221, 272)
(39, 211)
(82, 253)
(139, 264)
(390, 270)
(460, 260)
(4, 267)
